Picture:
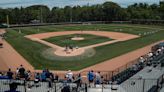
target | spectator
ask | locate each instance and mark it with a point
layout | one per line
(43, 76)
(162, 48)
(10, 74)
(69, 76)
(78, 81)
(22, 71)
(17, 73)
(56, 77)
(52, 77)
(156, 53)
(66, 87)
(135, 68)
(150, 54)
(48, 78)
(1, 45)
(141, 59)
(13, 87)
(37, 76)
(28, 75)
(90, 76)
(98, 78)
(1, 74)
(65, 81)
(36, 80)
(47, 73)
(159, 51)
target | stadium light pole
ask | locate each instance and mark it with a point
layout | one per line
(71, 14)
(7, 20)
(41, 15)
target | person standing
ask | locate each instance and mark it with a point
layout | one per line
(10, 74)
(91, 77)
(22, 71)
(98, 78)
(78, 81)
(43, 76)
(69, 76)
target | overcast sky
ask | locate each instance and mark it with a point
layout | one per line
(62, 3)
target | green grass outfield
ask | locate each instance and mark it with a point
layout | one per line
(31, 51)
(66, 40)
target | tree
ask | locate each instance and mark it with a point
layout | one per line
(111, 11)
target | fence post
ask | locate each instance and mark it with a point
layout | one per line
(143, 89)
(158, 84)
(112, 76)
(102, 87)
(55, 86)
(25, 86)
(86, 88)
(106, 76)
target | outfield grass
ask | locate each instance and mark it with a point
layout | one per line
(32, 50)
(132, 29)
(66, 40)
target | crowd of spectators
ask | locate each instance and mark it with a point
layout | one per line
(150, 59)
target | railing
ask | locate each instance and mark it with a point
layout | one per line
(132, 85)
(107, 75)
(32, 86)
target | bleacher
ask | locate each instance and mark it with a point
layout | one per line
(143, 80)
(126, 74)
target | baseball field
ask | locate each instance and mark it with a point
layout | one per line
(77, 47)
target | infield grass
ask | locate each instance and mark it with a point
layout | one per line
(66, 40)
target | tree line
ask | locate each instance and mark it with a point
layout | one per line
(108, 11)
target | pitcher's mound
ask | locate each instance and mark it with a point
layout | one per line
(77, 38)
(74, 52)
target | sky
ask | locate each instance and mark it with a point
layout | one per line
(62, 3)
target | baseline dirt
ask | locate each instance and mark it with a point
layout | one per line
(10, 58)
(113, 35)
